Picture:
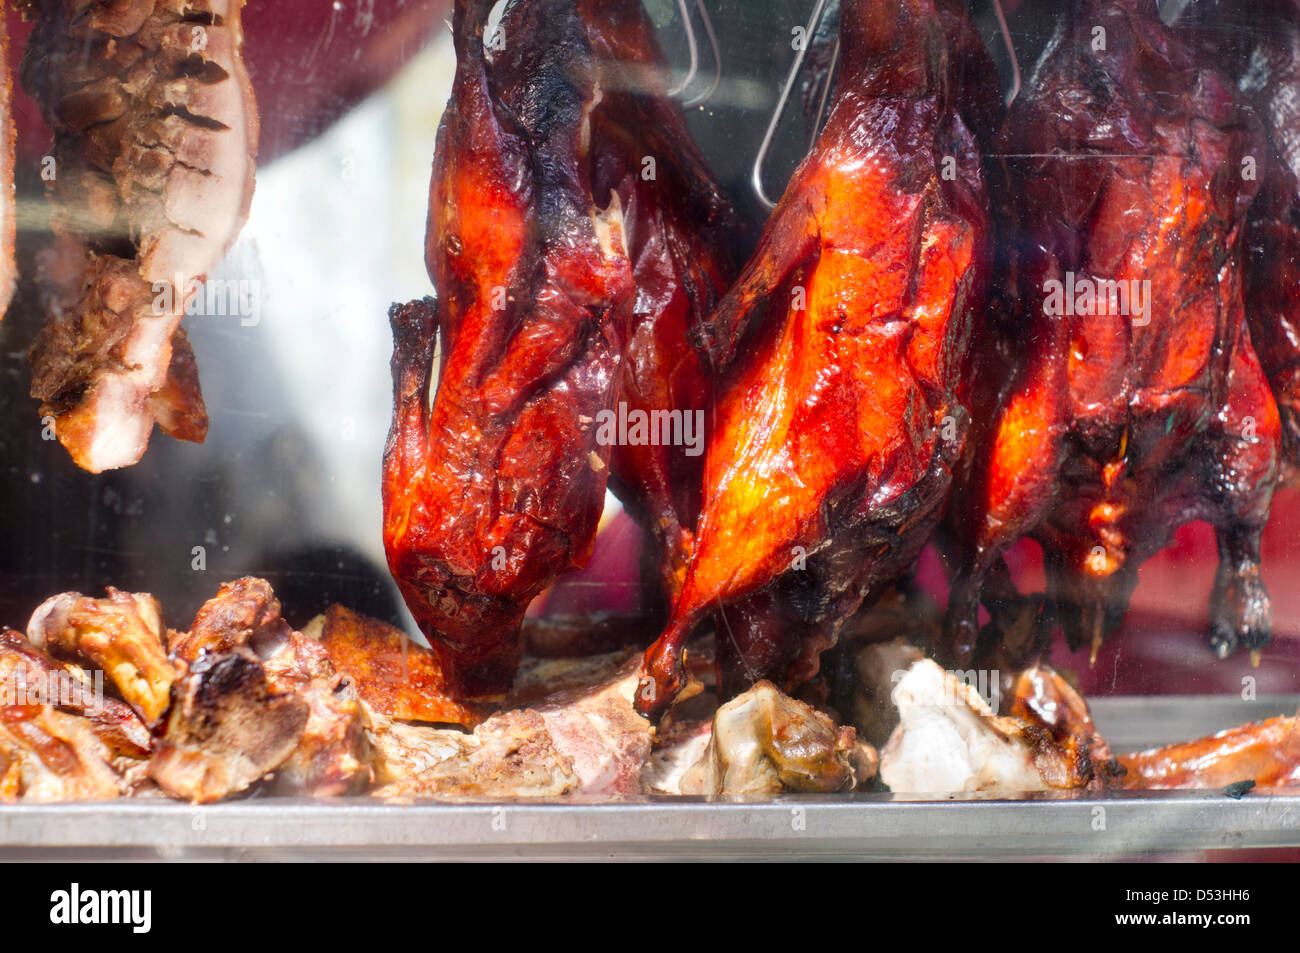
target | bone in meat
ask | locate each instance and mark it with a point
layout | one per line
(122, 634)
(331, 755)
(764, 742)
(27, 673)
(949, 740)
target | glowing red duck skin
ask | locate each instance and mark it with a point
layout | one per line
(571, 274)
(1260, 42)
(497, 488)
(681, 233)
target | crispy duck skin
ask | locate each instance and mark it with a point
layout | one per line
(393, 675)
(71, 690)
(1266, 752)
(498, 488)
(1266, 60)
(8, 219)
(1115, 428)
(155, 133)
(680, 230)
(844, 337)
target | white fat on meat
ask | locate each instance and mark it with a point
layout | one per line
(948, 741)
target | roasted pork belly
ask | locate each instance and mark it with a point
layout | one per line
(155, 137)
(392, 674)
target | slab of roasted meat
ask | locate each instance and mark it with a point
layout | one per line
(572, 234)
(155, 134)
(258, 697)
(1137, 403)
(843, 340)
(572, 730)
(949, 740)
(765, 742)
(393, 675)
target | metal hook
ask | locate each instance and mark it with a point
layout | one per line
(1011, 53)
(712, 36)
(826, 94)
(756, 174)
(693, 51)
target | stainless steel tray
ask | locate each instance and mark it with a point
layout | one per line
(873, 826)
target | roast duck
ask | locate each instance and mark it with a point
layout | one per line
(150, 177)
(1113, 381)
(1134, 401)
(582, 256)
(807, 420)
(575, 238)
(840, 350)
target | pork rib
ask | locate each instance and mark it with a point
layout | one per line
(155, 137)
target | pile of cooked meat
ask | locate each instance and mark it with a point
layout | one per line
(100, 699)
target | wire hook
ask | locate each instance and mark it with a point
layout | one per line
(693, 51)
(1011, 53)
